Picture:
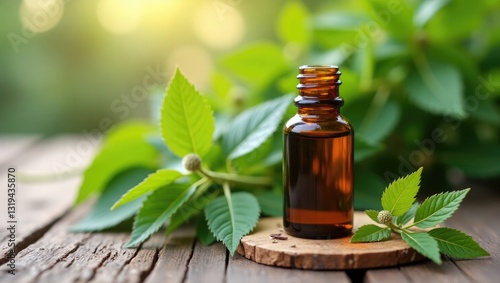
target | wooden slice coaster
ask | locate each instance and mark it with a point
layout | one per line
(333, 254)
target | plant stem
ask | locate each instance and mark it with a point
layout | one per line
(234, 178)
(204, 184)
(398, 229)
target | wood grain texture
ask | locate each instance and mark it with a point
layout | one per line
(208, 264)
(55, 246)
(40, 204)
(174, 257)
(49, 253)
(242, 270)
(336, 254)
(479, 216)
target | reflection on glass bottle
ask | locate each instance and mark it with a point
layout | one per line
(318, 159)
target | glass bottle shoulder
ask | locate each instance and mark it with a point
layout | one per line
(336, 126)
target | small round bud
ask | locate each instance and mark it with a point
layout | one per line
(192, 162)
(384, 217)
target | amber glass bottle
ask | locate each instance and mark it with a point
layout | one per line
(318, 159)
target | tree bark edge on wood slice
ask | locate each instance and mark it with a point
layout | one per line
(335, 254)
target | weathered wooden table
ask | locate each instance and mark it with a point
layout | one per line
(47, 252)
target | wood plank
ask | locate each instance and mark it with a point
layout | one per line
(388, 275)
(242, 270)
(478, 216)
(174, 258)
(208, 264)
(40, 205)
(55, 246)
(431, 272)
(90, 255)
(141, 265)
(12, 145)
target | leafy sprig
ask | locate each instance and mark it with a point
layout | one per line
(201, 187)
(399, 208)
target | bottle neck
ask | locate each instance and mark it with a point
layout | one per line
(319, 91)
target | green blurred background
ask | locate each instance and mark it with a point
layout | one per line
(421, 78)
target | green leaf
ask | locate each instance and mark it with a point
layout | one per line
(364, 150)
(257, 64)
(426, 10)
(231, 217)
(424, 244)
(253, 127)
(436, 87)
(476, 161)
(100, 217)
(371, 233)
(373, 214)
(338, 29)
(457, 244)
(271, 203)
(204, 234)
(438, 208)
(157, 209)
(130, 130)
(187, 122)
(400, 194)
(373, 118)
(395, 17)
(443, 26)
(190, 208)
(152, 182)
(487, 111)
(368, 187)
(407, 216)
(294, 24)
(114, 158)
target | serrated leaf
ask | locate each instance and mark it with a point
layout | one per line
(457, 244)
(204, 234)
(293, 24)
(157, 209)
(424, 244)
(438, 208)
(399, 196)
(271, 203)
(115, 157)
(188, 210)
(407, 216)
(371, 233)
(152, 182)
(253, 127)
(187, 122)
(373, 214)
(436, 87)
(232, 217)
(100, 217)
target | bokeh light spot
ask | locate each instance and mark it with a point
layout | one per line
(120, 16)
(41, 16)
(194, 62)
(218, 30)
